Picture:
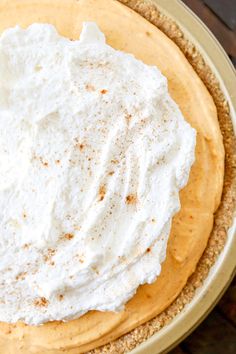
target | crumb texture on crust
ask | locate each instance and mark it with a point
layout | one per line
(66, 332)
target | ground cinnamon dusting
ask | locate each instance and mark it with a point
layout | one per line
(50, 253)
(224, 214)
(60, 297)
(128, 118)
(131, 199)
(102, 192)
(26, 245)
(44, 163)
(21, 276)
(69, 236)
(41, 302)
(80, 146)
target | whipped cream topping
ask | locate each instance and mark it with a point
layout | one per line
(93, 153)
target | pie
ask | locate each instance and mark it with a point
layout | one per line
(128, 31)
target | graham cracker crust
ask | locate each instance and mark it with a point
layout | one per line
(224, 214)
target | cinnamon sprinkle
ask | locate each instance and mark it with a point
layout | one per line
(131, 199)
(80, 146)
(128, 118)
(102, 192)
(50, 253)
(60, 297)
(69, 236)
(41, 302)
(21, 276)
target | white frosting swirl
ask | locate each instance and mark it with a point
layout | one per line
(93, 153)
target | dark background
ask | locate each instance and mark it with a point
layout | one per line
(217, 334)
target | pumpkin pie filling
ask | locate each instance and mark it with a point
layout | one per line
(129, 32)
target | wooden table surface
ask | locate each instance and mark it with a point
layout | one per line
(217, 333)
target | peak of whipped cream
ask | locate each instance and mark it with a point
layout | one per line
(93, 153)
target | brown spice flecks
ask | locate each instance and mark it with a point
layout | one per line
(131, 199)
(122, 259)
(21, 276)
(102, 192)
(24, 215)
(90, 87)
(148, 250)
(103, 92)
(115, 161)
(80, 146)
(80, 257)
(50, 253)
(128, 118)
(69, 236)
(95, 270)
(57, 161)
(44, 163)
(41, 302)
(60, 297)
(111, 173)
